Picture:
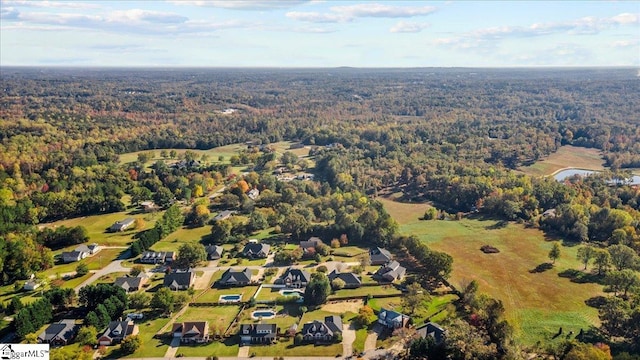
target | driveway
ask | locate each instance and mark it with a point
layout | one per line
(372, 337)
(243, 351)
(173, 348)
(348, 337)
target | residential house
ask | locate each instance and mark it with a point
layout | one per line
(214, 252)
(179, 280)
(223, 215)
(313, 242)
(59, 334)
(117, 331)
(392, 319)
(318, 331)
(391, 271)
(294, 278)
(122, 225)
(351, 280)
(130, 283)
(379, 256)
(148, 206)
(432, 329)
(235, 278)
(73, 256)
(157, 257)
(191, 331)
(256, 250)
(253, 194)
(90, 249)
(31, 285)
(258, 333)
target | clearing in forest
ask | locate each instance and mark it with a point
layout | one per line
(566, 156)
(536, 303)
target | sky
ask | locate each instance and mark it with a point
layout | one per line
(298, 33)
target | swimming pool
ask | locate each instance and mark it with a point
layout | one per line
(230, 298)
(291, 292)
(265, 314)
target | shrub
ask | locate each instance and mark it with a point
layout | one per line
(488, 249)
(322, 269)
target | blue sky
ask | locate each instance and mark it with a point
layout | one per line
(300, 33)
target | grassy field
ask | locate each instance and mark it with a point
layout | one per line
(95, 262)
(219, 317)
(182, 236)
(361, 336)
(566, 156)
(286, 348)
(537, 303)
(213, 295)
(367, 290)
(97, 226)
(151, 347)
(215, 348)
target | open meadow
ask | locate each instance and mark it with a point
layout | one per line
(566, 156)
(536, 303)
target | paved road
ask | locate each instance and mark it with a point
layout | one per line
(348, 337)
(114, 266)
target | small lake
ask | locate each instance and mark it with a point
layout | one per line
(567, 173)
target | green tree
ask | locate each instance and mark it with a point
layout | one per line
(221, 231)
(87, 335)
(622, 256)
(258, 221)
(337, 284)
(414, 297)
(14, 306)
(163, 299)
(139, 300)
(602, 260)
(317, 290)
(130, 344)
(554, 253)
(82, 269)
(136, 270)
(585, 254)
(190, 255)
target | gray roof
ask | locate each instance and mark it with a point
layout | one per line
(223, 215)
(431, 329)
(255, 249)
(331, 325)
(392, 270)
(296, 275)
(64, 329)
(180, 278)
(379, 255)
(311, 243)
(71, 256)
(390, 315)
(348, 278)
(127, 283)
(231, 277)
(259, 330)
(119, 329)
(214, 251)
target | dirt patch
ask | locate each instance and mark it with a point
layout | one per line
(202, 282)
(343, 307)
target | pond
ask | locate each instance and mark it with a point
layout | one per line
(567, 173)
(265, 314)
(230, 298)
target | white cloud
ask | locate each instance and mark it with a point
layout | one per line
(625, 43)
(147, 16)
(348, 13)
(48, 4)
(241, 4)
(408, 27)
(626, 18)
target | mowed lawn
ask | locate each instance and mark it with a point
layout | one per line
(97, 226)
(219, 317)
(537, 303)
(566, 156)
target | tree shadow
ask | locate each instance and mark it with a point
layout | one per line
(596, 301)
(541, 268)
(580, 277)
(501, 224)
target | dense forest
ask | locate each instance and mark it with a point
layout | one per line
(454, 137)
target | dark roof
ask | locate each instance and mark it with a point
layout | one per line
(259, 330)
(232, 276)
(180, 278)
(69, 256)
(223, 215)
(311, 243)
(126, 282)
(214, 250)
(431, 329)
(191, 328)
(255, 248)
(296, 275)
(332, 324)
(64, 329)
(392, 270)
(119, 329)
(379, 255)
(348, 278)
(389, 315)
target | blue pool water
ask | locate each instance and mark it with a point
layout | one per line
(236, 297)
(263, 314)
(290, 293)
